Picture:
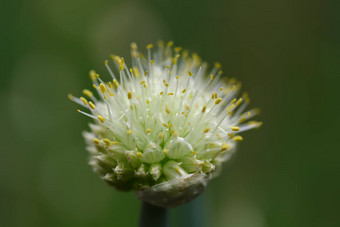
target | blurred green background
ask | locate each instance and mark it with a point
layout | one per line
(286, 53)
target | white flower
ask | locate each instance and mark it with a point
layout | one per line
(164, 126)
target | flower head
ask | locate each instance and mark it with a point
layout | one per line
(164, 126)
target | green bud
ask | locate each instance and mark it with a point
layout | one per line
(172, 170)
(152, 154)
(132, 158)
(191, 164)
(123, 171)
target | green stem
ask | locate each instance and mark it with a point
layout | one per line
(152, 216)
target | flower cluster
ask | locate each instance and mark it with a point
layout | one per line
(164, 126)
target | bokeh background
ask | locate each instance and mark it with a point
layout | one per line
(286, 53)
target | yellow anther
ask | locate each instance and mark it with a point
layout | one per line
(204, 108)
(152, 61)
(133, 46)
(146, 73)
(190, 73)
(177, 77)
(70, 96)
(84, 100)
(160, 135)
(110, 85)
(135, 71)
(121, 64)
(196, 57)
(101, 118)
(239, 102)
(177, 170)
(167, 109)
(130, 70)
(112, 56)
(231, 135)
(165, 151)
(185, 54)
(212, 77)
(187, 107)
(219, 72)
(92, 105)
(96, 141)
(259, 124)
(168, 66)
(106, 62)
(246, 98)
(235, 128)
(221, 88)
(139, 154)
(225, 147)
(215, 95)
(230, 108)
(206, 130)
(170, 43)
(178, 49)
(232, 80)
(161, 93)
(241, 120)
(148, 130)
(170, 93)
(149, 46)
(107, 142)
(193, 152)
(88, 93)
(129, 132)
(234, 100)
(94, 86)
(238, 138)
(102, 87)
(147, 101)
(218, 136)
(183, 90)
(165, 125)
(217, 101)
(249, 114)
(92, 74)
(129, 95)
(115, 83)
(218, 65)
(234, 87)
(255, 123)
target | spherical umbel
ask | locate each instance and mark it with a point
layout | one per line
(164, 126)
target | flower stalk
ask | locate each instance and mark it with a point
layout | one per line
(153, 216)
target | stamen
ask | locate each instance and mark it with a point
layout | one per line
(101, 118)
